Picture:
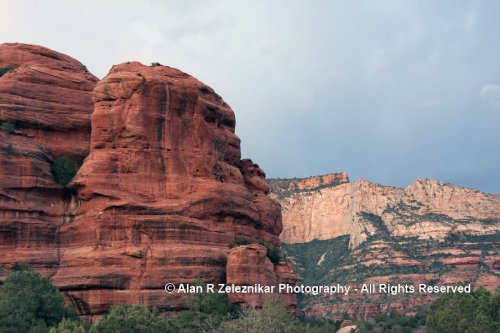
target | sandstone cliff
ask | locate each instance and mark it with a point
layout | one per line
(162, 196)
(426, 209)
(45, 97)
(430, 232)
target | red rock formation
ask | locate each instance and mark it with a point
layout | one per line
(248, 265)
(285, 275)
(162, 196)
(47, 96)
(29, 202)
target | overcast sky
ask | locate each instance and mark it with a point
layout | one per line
(389, 91)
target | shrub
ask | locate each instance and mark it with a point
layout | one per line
(273, 254)
(206, 312)
(68, 326)
(4, 70)
(242, 240)
(319, 325)
(394, 322)
(210, 303)
(64, 170)
(272, 318)
(10, 150)
(29, 303)
(8, 127)
(476, 312)
(132, 318)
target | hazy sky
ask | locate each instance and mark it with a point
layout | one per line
(389, 91)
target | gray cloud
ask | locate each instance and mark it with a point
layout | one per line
(386, 90)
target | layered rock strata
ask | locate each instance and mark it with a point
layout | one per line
(46, 95)
(45, 107)
(364, 233)
(162, 197)
(426, 209)
(248, 265)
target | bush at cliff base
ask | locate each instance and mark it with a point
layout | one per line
(29, 303)
(274, 317)
(68, 326)
(132, 318)
(477, 312)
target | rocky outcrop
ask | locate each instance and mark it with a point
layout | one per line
(46, 95)
(426, 209)
(364, 233)
(162, 197)
(30, 202)
(282, 187)
(45, 107)
(348, 328)
(248, 265)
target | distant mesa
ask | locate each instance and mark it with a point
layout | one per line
(323, 207)
(284, 187)
(429, 232)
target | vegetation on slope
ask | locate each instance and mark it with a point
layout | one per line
(29, 303)
(314, 260)
(386, 258)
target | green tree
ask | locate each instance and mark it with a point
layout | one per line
(206, 312)
(210, 303)
(272, 318)
(64, 170)
(273, 254)
(4, 70)
(132, 319)
(29, 303)
(68, 326)
(8, 127)
(477, 312)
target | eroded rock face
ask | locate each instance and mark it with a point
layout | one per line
(46, 95)
(163, 195)
(427, 205)
(30, 202)
(248, 265)
(364, 233)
